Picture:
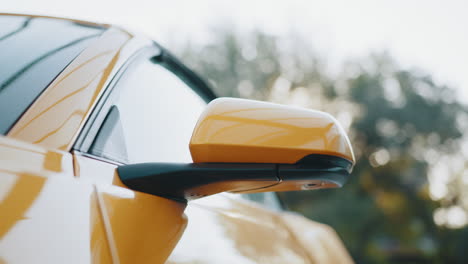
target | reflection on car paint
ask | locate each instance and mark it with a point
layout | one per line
(30, 63)
(229, 226)
(273, 133)
(142, 228)
(45, 210)
(321, 242)
(54, 120)
(21, 27)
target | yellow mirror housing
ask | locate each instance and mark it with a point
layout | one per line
(246, 131)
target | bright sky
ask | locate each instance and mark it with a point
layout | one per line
(427, 34)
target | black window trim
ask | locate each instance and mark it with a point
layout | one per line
(192, 79)
(157, 55)
(95, 120)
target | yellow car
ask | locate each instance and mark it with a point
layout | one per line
(108, 143)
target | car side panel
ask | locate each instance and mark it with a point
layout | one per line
(142, 228)
(47, 215)
(321, 242)
(225, 229)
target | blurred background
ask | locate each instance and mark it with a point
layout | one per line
(392, 72)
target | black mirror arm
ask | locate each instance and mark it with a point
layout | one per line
(187, 181)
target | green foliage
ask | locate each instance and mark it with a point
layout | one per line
(402, 126)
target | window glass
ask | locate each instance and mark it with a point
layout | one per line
(110, 142)
(157, 113)
(33, 51)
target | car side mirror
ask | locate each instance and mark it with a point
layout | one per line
(247, 146)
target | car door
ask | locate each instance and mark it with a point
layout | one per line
(149, 116)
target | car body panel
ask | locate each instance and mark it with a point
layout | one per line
(142, 228)
(48, 216)
(226, 229)
(320, 241)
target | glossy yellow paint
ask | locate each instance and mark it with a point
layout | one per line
(145, 228)
(56, 117)
(320, 241)
(142, 228)
(45, 211)
(239, 130)
(235, 231)
(247, 233)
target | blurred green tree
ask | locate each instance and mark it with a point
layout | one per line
(407, 186)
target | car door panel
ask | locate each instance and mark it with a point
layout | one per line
(226, 229)
(45, 211)
(320, 241)
(142, 228)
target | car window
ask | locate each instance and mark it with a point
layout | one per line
(152, 117)
(33, 51)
